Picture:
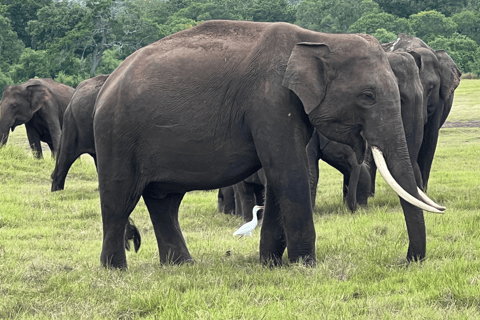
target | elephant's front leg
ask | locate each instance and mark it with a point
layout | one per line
(272, 236)
(288, 219)
(164, 216)
(34, 141)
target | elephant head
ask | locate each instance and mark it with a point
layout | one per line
(440, 77)
(39, 104)
(19, 104)
(373, 115)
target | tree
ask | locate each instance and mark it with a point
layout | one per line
(332, 15)
(430, 24)
(30, 65)
(384, 36)
(371, 22)
(54, 21)
(405, 8)
(468, 23)
(461, 48)
(20, 12)
(10, 46)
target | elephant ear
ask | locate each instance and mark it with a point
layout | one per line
(417, 57)
(38, 95)
(306, 73)
(449, 73)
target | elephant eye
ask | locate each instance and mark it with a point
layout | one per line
(367, 97)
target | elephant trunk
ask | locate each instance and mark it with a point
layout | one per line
(4, 131)
(394, 150)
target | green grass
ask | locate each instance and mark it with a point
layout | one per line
(50, 246)
(466, 106)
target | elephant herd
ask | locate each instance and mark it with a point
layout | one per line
(249, 108)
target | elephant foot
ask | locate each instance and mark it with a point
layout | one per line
(308, 261)
(175, 256)
(114, 261)
(271, 260)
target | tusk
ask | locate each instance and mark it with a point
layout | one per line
(429, 201)
(387, 176)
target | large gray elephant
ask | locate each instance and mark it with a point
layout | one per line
(77, 135)
(40, 105)
(207, 107)
(439, 76)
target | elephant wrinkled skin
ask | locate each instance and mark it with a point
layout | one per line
(77, 134)
(207, 107)
(40, 105)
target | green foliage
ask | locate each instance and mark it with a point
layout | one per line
(468, 23)
(384, 36)
(70, 80)
(20, 12)
(53, 22)
(430, 24)
(463, 50)
(109, 63)
(5, 80)
(370, 22)
(10, 46)
(32, 63)
(331, 15)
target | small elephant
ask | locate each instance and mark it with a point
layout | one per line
(40, 105)
(208, 106)
(249, 193)
(77, 136)
(356, 177)
(226, 200)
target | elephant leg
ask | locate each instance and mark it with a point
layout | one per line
(34, 142)
(372, 170)
(226, 200)
(364, 186)
(272, 240)
(259, 192)
(117, 203)
(67, 154)
(351, 197)
(245, 194)
(164, 215)
(288, 216)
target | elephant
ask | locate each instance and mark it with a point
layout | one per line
(226, 200)
(40, 105)
(439, 76)
(77, 135)
(209, 106)
(248, 193)
(356, 176)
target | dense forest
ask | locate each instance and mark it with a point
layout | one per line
(72, 40)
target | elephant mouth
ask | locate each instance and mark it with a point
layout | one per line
(16, 124)
(425, 203)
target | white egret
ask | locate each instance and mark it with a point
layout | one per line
(248, 227)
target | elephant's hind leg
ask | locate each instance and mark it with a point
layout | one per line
(164, 215)
(117, 203)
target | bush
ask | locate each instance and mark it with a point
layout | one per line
(469, 75)
(4, 81)
(70, 80)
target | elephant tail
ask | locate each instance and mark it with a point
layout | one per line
(132, 233)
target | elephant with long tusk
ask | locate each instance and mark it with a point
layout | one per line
(207, 107)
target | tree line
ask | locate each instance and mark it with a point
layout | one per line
(72, 40)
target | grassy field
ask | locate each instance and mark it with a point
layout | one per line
(50, 246)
